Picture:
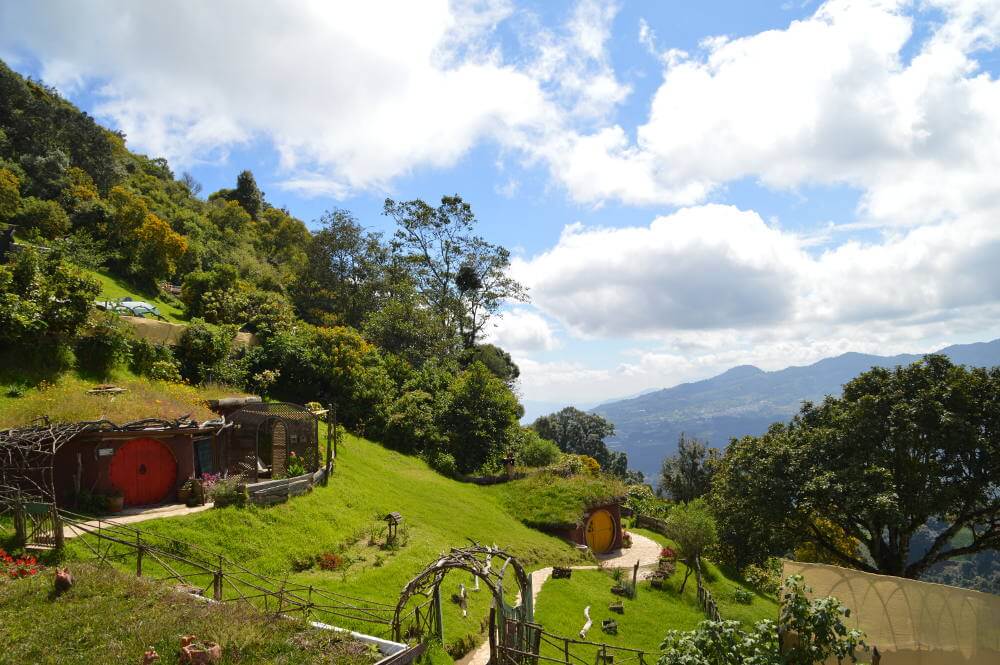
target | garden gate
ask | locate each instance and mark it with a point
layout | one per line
(509, 624)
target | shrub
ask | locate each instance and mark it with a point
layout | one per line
(43, 218)
(10, 194)
(442, 462)
(536, 451)
(742, 596)
(330, 561)
(105, 342)
(766, 578)
(203, 348)
(817, 626)
(295, 467)
(44, 302)
(229, 492)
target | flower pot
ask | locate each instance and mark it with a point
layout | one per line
(610, 626)
(116, 504)
(184, 494)
(199, 653)
(618, 607)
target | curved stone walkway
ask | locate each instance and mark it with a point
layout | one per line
(644, 550)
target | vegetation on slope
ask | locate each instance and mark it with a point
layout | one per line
(551, 501)
(645, 621)
(369, 482)
(66, 399)
(111, 617)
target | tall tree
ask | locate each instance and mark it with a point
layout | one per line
(581, 433)
(248, 194)
(460, 275)
(346, 275)
(687, 474)
(897, 449)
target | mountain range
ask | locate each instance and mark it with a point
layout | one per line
(745, 400)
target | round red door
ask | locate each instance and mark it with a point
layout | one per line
(144, 470)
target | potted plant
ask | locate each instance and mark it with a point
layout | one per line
(609, 626)
(115, 500)
(618, 607)
(184, 491)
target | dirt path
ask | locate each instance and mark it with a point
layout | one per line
(644, 550)
(132, 516)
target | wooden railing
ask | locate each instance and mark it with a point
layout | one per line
(200, 571)
(705, 599)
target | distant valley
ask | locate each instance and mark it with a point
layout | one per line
(745, 400)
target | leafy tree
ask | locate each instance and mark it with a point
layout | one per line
(146, 246)
(496, 360)
(346, 274)
(478, 419)
(581, 433)
(898, 449)
(44, 218)
(462, 277)
(687, 474)
(692, 526)
(247, 194)
(46, 173)
(807, 632)
(10, 194)
(203, 348)
(44, 301)
(401, 326)
(534, 451)
(412, 426)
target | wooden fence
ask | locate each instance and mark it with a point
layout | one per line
(708, 603)
(524, 643)
(271, 492)
(200, 571)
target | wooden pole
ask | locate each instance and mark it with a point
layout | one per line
(138, 554)
(329, 440)
(336, 434)
(217, 582)
(635, 578)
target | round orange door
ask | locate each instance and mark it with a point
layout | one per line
(600, 531)
(144, 470)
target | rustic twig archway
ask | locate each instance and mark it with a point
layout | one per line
(488, 563)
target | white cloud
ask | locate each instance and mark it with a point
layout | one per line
(714, 267)
(522, 330)
(830, 99)
(346, 94)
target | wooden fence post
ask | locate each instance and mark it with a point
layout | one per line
(217, 582)
(329, 440)
(57, 528)
(138, 554)
(635, 578)
(20, 525)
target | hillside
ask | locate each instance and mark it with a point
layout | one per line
(745, 400)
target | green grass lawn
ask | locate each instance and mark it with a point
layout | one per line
(723, 585)
(114, 288)
(370, 481)
(646, 620)
(109, 617)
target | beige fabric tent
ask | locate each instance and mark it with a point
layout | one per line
(164, 332)
(912, 623)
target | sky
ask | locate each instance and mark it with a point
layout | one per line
(684, 186)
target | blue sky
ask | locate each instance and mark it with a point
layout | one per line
(685, 186)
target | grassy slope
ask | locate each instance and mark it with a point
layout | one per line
(646, 619)
(65, 399)
(369, 482)
(722, 587)
(549, 501)
(108, 617)
(113, 288)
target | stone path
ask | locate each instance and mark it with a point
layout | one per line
(132, 515)
(644, 550)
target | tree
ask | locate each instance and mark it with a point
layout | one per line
(247, 194)
(46, 218)
(44, 301)
(496, 360)
(462, 277)
(692, 527)
(10, 194)
(480, 414)
(346, 275)
(581, 433)
(898, 449)
(687, 475)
